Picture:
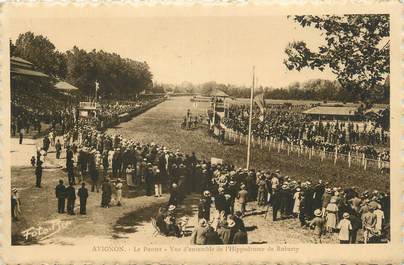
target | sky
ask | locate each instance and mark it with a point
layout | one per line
(193, 49)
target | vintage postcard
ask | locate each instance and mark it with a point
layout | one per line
(194, 133)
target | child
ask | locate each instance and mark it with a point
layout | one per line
(344, 227)
(318, 224)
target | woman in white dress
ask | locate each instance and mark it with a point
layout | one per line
(332, 213)
(129, 176)
(297, 198)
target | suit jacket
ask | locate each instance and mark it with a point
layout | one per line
(198, 236)
(70, 193)
(82, 193)
(60, 191)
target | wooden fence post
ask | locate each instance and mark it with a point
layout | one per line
(349, 159)
(365, 164)
(260, 142)
(279, 147)
(336, 155)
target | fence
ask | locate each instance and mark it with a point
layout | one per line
(273, 145)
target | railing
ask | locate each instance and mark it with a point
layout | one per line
(273, 145)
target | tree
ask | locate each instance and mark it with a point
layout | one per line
(41, 52)
(81, 70)
(117, 77)
(356, 50)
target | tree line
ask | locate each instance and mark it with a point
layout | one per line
(316, 89)
(117, 77)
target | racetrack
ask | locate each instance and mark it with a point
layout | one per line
(131, 222)
(162, 125)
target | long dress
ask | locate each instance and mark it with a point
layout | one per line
(129, 177)
(332, 211)
(296, 205)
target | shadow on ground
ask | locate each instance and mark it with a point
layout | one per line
(130, 222)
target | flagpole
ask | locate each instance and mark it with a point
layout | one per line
(250, 121)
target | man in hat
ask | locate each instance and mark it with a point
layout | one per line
(38, 173)
(21, 135)
(106, 189)
(276, 202)
(326, 200)
(262, 191)
(369, 220)
(45, 143)
(70, 171)
(220, 201)
(83, 195)
(60, 192)
(149, 179)
(242, 197)
(198, 236)
(171, 222)
(15, 204)
(174, 195)
(71, 198)
(58, 147)
(319, 190)
(317, 223)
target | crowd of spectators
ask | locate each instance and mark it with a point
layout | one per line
(288, 123)
(327, 208)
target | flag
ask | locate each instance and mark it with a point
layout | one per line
(260, 101)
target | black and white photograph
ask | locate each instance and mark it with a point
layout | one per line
(200, 130)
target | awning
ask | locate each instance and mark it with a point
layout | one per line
(62, 85)
(217, 93)
(27, 72)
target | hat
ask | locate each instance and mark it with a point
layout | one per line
(206, 193)
(232, 182)
(298, 189)
(284, 186)
(171, 207)
(202, 222)
(345, 215)
(333, 200)
(277, 171)
(231, 223)
(317, 212)
(242, 186)
(220, 189)
(14, 190)
(174, 185)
